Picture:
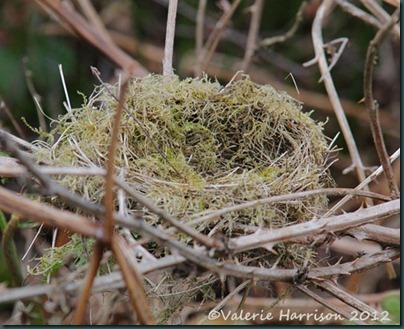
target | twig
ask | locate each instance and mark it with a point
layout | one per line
(109, 199)
(92, 16)
(170, 33)
(282, 38)
(51, 186)
(107, 282)
(134, 282)
(93, 37)
(52, 217)
(326, 303)
(347, 298)
(88, 283)
(225, 300)
(320, 57)
(216, 35)
(199, 35)
(369, 179)
(372, 106)
(381, 14)
(181, 226)
(101, 283)
(256, 13)
(316, 226)
(378, 233)
(358, 13)
(287, 197)
(17, 127)
(20, 142)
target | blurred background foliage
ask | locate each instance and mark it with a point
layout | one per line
(32, 45)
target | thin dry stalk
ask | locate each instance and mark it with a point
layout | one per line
(347, 298)
(134, 282)
(372, 106)
(282, 38)
(89, 11)
(88, 283)
(109, 199)
(320, 58)
(326, 303)
(34, 94)
(200, 27)
(369, 179)
(375, 8)
(93, 37)
(256, 14)
(358, 13)
(225, 300)
(170, 33)
(216, 35)
(17, 127)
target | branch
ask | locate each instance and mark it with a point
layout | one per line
(88, 283)
(93, 37)
(256, 14)
(169, 43)
(316, 226)
(329, 85)
(371, 105)
(288, 197)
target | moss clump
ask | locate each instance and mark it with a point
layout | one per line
(228, 145)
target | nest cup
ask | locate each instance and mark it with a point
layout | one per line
(228, 144)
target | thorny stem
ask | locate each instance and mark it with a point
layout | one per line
(103, 283)
(372, 106)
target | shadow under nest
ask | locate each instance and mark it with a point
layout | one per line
(193, 147)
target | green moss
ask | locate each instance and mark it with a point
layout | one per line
(230, 145)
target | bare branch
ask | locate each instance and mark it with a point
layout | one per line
(256, 13)
(372, 106)
(88, 283)
(170, 33)
(316, 226)
(93, 37)
(282, 38)
(288, 197)
(320, 57)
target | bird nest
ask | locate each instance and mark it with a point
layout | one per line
(193, 147)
